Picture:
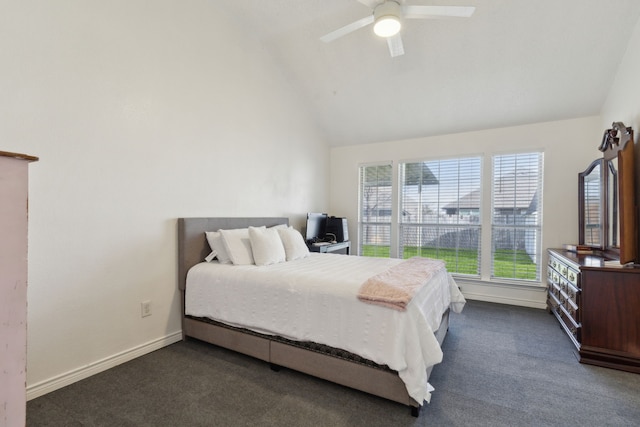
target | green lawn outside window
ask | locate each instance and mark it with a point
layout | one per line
(467, 260)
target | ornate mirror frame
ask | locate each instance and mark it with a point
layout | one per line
(617, 225)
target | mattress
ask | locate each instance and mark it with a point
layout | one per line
(315, 299)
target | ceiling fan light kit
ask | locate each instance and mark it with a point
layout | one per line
(387, 19)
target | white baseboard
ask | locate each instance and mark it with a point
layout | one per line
(57, 382)
(509, 301)
(524, 296)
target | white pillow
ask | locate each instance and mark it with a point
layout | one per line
(266, 246)
(294, 245)
(217, 247)
(238, 245)
(211, 256)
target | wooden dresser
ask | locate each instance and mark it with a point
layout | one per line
(598, 307)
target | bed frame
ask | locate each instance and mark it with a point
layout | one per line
(367, 377)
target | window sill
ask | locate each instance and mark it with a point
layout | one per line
(533, 286)
(532, 295)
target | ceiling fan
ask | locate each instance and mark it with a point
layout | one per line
(387, 16)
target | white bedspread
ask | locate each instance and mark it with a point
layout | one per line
(315, 299)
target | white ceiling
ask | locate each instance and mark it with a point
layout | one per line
(513, 62)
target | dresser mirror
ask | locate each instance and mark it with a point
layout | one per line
(591, 192)
(607, 204)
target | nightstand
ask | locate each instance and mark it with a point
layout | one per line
(341, 247)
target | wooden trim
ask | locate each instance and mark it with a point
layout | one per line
(611, 359)
(626, 200)
(19, 156)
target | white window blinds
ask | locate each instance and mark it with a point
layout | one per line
(375, 204)
(516, 221)
(439, 214)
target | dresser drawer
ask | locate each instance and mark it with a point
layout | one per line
(558, 268)
(563, 296)
(564, 270)
(571, 308)
(573, 276)
(553, 302)
(570, 325)
(554, 289)
(573, 294)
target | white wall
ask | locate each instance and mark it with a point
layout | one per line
(623, 101)
(140, 112)
(567, 151)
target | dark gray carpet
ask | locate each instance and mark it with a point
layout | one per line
(503, 366)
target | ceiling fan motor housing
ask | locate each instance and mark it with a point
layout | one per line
(387, 15)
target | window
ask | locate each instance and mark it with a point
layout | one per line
(516, 221)
(440, 212)
(484, 226)
(374, 222)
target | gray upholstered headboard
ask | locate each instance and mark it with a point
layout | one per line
(192, 243)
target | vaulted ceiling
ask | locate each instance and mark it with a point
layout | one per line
(513, 62)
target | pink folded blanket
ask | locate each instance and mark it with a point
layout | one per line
(396, 287)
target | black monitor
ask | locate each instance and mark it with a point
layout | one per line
(316, 226)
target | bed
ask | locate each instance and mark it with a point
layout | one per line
(288, 347)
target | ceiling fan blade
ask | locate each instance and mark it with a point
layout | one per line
(370, 3)
(436, 12)
(396, 48)
(347, 29)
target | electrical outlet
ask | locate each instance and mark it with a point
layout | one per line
(145, 308)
